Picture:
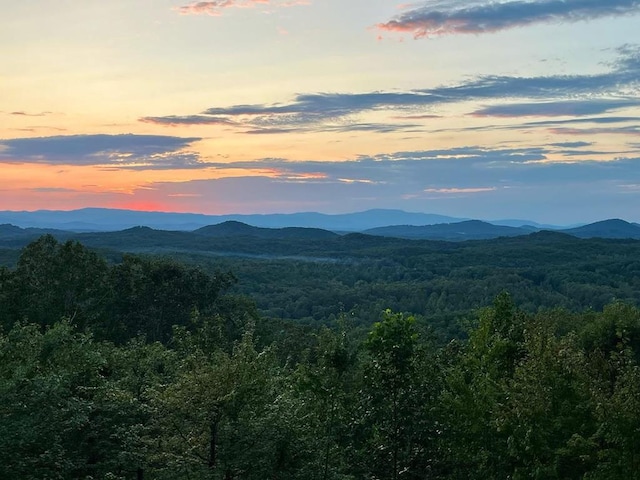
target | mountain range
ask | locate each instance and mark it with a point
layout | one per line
(104, 219)
(232, 228)
(466, 230)
(478, 230)
(12, 235)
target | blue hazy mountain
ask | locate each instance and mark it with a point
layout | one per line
(232, 228)
(12, 231)
(144, 236)
(528, 224)
(102, 219)
(613, 228)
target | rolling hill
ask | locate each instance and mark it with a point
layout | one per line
(233, 228)
(467, 230)
(613, 228)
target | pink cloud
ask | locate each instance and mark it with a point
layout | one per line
(440, 17)
(295, 3)
(215, 8)
(426, 28)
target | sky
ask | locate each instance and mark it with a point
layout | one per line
(500, 109)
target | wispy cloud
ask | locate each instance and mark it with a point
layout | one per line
(30, 114)
(340, 128)
(149, 152)
(423, 169)
(328, 112)
(503, 182)
(174, 120)
(456, 190)
(464, 170)
(618, 125)
(552, 96)
(436, 17)
(581, 121)
(309, 108)
(632, 130)
(557, 109)
(215, 8)
(572, 144)
(52, 190)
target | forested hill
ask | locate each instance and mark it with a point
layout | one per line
(229, 232)
(312, 281)
(239, 229)
(145, 367)
(455, 231)
(614, 228)
(468, 230)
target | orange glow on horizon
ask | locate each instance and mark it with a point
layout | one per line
(142, 206)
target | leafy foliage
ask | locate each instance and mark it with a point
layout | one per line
(147, 369)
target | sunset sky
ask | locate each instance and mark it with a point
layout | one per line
(469, 108)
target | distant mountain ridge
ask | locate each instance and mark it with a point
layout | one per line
(12, 232)
(316, 226)
(479, 230)
(467, 230)
(613, 228)
(230, 234)
(8, 229)
(232, 228)
(104, 219)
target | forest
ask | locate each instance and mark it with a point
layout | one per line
(358, 359)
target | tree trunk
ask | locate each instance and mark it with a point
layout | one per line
(213, 445)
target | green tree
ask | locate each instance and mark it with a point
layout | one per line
(612, 343)
(394, 407)
(62, 416)
(226, 415)
(477, 377)
(324, 393)
(140, 372)
(54, 280)
(149, 296)
(548, 414)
